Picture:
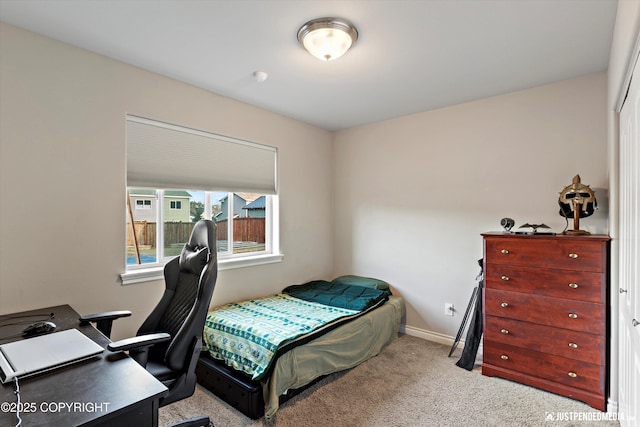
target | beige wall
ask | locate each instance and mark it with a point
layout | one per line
(413, 194)
(62, 137)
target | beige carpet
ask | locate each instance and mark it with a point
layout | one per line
(411, 383)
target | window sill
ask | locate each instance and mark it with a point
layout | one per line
(156, 273)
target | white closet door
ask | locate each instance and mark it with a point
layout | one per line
(629, 257)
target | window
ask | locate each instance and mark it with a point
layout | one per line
(143, 204)
(241, 200)
(242, 225)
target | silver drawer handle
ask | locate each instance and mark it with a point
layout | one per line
(635, 323)
(622, 291)
(573, 285)
(573, 345)
(504, 357)
(572, 374)
(504, 304)
(505, 278)
(573, 316)
(504, 251)
(504, 331)
(573, 256)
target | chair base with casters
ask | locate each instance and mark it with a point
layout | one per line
(194, 422)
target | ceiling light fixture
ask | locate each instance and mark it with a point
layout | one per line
(327, 38)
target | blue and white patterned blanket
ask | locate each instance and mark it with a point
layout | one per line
(246, 335)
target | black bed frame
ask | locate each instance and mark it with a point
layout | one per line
(236, 388)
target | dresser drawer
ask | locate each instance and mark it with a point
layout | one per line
(577, 253)
(579, 285)
(573, 373)
(563, 313)
(546, 339)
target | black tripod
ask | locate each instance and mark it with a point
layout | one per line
(474, 334)
(472, 303)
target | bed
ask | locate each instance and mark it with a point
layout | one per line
(333, 326)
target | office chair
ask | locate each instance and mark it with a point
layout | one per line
(169, 341)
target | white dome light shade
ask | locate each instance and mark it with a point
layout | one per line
(327, 43)
(327, 38)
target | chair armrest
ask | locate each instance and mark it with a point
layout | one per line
(105, 315)
(104, 320)
(139, 342)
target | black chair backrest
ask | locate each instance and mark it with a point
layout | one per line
(182, 310)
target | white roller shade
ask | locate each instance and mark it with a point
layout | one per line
(162, 155)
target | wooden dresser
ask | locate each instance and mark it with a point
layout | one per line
(546, 313)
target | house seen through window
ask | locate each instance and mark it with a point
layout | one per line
(163, 220)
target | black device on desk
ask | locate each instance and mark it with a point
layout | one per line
(37, 324)
(39, 328)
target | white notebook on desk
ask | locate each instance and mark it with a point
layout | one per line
(43, 353)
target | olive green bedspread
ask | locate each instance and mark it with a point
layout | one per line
(337, 350)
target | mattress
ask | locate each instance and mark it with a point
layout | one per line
(249, 335)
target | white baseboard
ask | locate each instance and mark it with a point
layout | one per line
(433, 336)
(428, 335)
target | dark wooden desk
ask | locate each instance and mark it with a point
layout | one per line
(109, 389)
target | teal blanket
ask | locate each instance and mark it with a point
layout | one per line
(337, 294)
(246, 335)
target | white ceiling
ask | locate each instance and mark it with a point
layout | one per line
(411, 55)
